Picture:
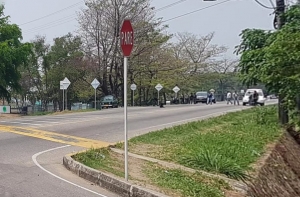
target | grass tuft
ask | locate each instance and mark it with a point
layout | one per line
(213, 162)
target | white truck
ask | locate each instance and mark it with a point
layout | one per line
(261, 98)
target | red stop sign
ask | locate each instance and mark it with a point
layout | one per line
(126, 37)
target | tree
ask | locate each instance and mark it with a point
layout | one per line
(273, 58)
(198, 50)
(13, 55)
(100, 25)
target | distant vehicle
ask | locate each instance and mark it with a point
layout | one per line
(261, 99)
(109, 101)
(272, 96)
(201, 97)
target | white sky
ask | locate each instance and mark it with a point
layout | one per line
(227, 20)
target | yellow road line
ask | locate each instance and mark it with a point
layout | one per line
(55, 137)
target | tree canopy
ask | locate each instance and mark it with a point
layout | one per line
(273, 58)
(13, 55)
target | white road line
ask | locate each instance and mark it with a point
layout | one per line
(34, 159)
(28, 120)
(24, 123)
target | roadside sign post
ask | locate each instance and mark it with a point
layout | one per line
(133, 88)
(95, 83)
(176, 89)
(64, 84)
(158, 87)
(126, 40)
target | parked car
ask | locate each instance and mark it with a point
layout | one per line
(201, 97)
(272, 96)
(261, 98)
(109, 101)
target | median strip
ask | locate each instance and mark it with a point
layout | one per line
(55, 137)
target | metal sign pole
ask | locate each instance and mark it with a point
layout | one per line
(63, 99)
(133, 98)
(67, 99)
(125, 118)
(158, 97)
(95, 98)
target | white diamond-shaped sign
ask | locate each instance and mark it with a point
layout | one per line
(158, 87)
(95, 83)
(66, 83)
(176, 89)
(133, 87)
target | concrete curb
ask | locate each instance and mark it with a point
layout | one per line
(106, 181)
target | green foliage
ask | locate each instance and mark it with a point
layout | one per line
(98, 159)
(273, 58)
(195, 185)
(13, 55)
(212, 161)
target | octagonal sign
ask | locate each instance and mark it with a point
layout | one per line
(126, 37)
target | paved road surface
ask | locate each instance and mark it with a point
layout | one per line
(31, 148)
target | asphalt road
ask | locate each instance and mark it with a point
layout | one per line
(31, 148)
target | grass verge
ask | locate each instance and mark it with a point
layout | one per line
(100, 159)
(227, 145)
(172, 182)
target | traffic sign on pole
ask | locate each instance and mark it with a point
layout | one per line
(64, 84)
(95, 83)
(133, 88)
(158, 87)
(126, 40)
(176, 89)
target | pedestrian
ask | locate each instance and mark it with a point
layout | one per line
(209, 98)
(255, 98)
(191, 98)
(236, 98)
(195, 98)
(229, 98)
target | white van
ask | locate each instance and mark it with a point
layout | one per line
(261, 98)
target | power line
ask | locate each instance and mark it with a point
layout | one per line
(204, 8)
(59, 21)
(257, 1)
(170, 5)
(66, 8)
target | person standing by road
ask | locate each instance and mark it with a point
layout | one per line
(191, 98)
(229, 98)
(255, 98)
(209, 98)
(236, 98)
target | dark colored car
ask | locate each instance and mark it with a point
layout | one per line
(109, 101)
(201, 97)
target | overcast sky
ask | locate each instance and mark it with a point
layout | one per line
(227, 19)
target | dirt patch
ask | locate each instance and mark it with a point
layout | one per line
(280, 175)
(136, 171)
(9, 116)
(150, 150)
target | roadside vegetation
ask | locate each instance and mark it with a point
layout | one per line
(62, 112)
(226, 145)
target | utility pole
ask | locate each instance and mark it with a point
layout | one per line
(278, 23)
